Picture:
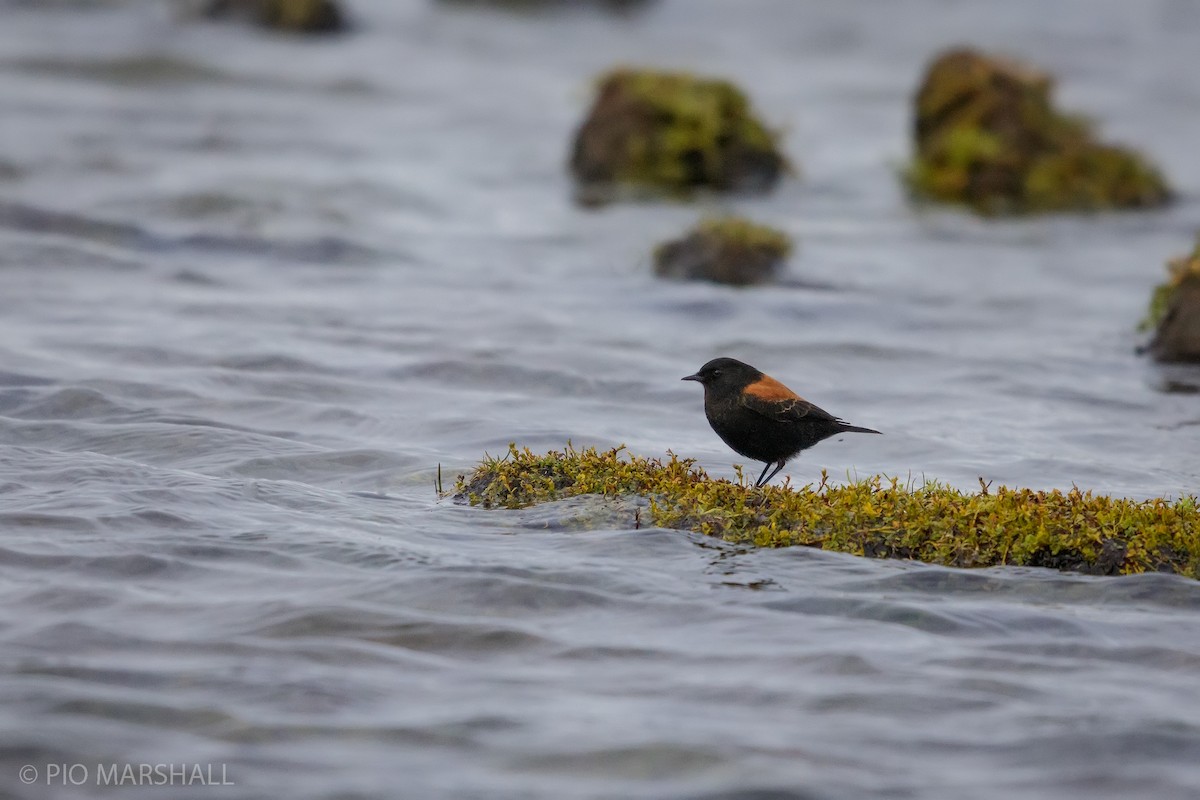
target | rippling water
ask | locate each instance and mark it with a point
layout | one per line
(254, 289)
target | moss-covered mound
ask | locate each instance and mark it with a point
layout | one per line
(728, 250)
(877, 517)
(1175, 311)
(537, 5)
(295, 16)
(988, 136)
(671, 133)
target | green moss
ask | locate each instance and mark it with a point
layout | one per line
(302, 16)
(955, 167)
(988, 136)
(1092, 177)
(729, 250)
(538, 5)
(674, 132)
(878, 516)
(294, 16)
(1179, 270)
(741, 232)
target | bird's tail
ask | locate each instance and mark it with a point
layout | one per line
(855, 429)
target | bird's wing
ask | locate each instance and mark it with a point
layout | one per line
(790, 409)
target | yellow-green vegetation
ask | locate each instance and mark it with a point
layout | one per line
(1174, 311)
(303, 16)
(987, 135)
(741, 232)
(295, 16)
(730, 250)
(674, 132)
(879, 517)
(534, 5)
(1179, 271)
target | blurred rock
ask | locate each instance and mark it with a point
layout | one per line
(728, 250)
(671, 133)
(988, 136)
(10, 171)
(537, 5)
(295, 16)
(1175, 311)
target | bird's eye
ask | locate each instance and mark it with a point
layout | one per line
(716, 373)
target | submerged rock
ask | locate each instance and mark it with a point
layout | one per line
(672, 132)
(9, 171)
(728, 250)
(987, 135)
(1175, 311)
(302, 16)
(535, 5)
(296, 16)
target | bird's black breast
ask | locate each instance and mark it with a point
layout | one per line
(762, 438)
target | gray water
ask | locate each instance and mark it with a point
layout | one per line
(255, 289)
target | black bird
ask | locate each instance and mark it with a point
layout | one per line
(759, 417)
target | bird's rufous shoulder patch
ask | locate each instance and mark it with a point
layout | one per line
(767, 388)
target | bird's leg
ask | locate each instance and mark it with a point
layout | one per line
(759, 482)
(778, 467)
(764, 478)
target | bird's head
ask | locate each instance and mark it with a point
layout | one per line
(725, 372)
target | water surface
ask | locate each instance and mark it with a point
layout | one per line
(255, 289)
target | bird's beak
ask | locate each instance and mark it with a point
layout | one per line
(696, 378)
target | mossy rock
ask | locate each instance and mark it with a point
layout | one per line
(1175, 311)
(987, 135)
(878, 517)
(672, 133)
(294, 16)
(728, 250)
(538, 5)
